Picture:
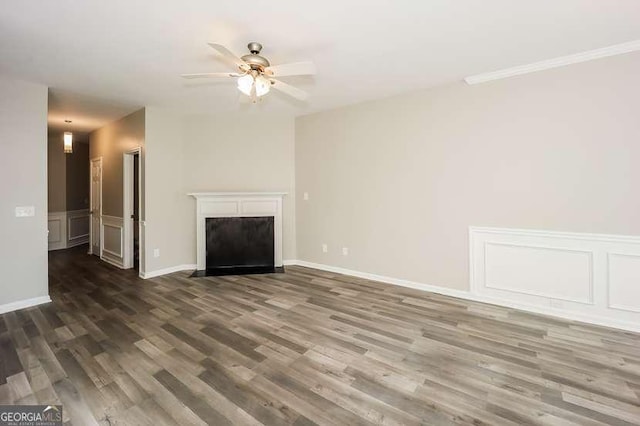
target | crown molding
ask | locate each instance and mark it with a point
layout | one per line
(616, 49)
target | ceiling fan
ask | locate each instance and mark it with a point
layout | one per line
(256, 76)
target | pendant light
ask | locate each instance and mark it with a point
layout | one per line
(68, 143)
(68, 140)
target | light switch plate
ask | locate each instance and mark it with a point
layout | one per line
(156, 252)
(25, 211)
(305, 196)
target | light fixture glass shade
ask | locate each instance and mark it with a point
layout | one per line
(68, 142)
(262, 85)
(245, 84)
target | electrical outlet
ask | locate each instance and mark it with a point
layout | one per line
(325, 248)
(345, 251)
(305, 196)
(156, 252)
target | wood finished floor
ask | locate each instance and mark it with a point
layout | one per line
(305, 347)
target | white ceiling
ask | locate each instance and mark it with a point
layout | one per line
(86, 113)
(104, 59)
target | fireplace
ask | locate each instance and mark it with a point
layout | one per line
(238, 232)
(239, 245)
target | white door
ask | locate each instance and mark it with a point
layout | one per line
(96, 205)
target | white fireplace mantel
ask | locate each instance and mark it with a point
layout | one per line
(237, 204)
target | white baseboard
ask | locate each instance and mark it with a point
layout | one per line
(467, 295)
(388, 280)
(117, 264)
(559, 313)
(170, 270)
(78, 242)
(22, 304)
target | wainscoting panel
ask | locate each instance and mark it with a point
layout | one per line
(77, 227)
(588, 277)
(517, 268)
(112, 240)
(624, 281)
(68, 229)
(55, 230)
(57, 225)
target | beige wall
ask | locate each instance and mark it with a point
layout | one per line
(243, 152)
(167, 206)
(56, 174)
(67, 175)
(23, 182)
(399, 181)
(110, 142)
(77, 180)
(234, 152)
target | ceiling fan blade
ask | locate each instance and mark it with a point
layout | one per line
(294, 68)
(211, 75)
(288, 89)
(230, 56)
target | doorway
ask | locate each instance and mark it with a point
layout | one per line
(132, 203)
(95, 211)
(136, 211)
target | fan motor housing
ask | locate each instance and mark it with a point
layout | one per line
(254, 59)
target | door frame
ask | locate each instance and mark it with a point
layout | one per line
(127, 207)
(91, 212)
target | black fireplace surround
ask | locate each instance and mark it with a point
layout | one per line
(239, 245)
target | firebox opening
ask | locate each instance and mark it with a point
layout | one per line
(239, 245)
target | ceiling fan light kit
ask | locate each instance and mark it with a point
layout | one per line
(254, 84)
(255, 75)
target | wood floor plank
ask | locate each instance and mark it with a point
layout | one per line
(200, 407)
(262, 407)
(303, 347)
